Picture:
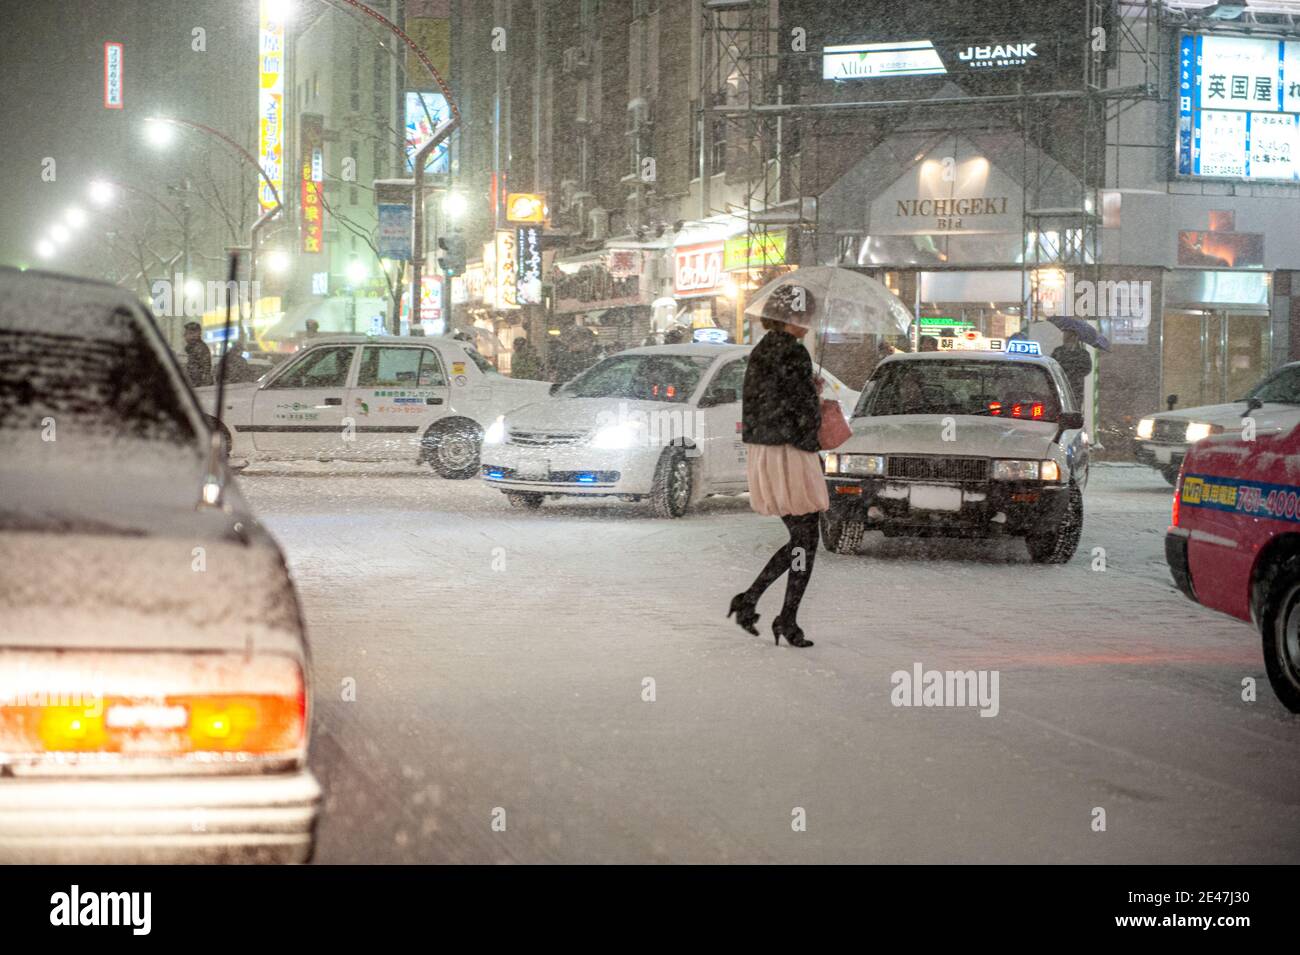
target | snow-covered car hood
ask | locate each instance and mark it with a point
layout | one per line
(975, 435)
(1228, 416)
(238, 395)
(587, 414)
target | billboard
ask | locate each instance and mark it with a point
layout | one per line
(425, 112)
(270, 102)
(1238, 108)
(864, 61)
(528, 247)
(311, 141)
(507, 270)
(112, 75)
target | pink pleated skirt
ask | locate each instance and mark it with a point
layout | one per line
(785, 480)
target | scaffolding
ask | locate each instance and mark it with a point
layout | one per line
(742, 100)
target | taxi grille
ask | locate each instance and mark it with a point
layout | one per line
(928, 468)
(1170, 432)
(540, 439)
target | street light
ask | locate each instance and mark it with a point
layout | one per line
(74, 217)
(59, 234)
(454, 205)
(45, 249)
(159, 132)
(101, 192)
(277, 11)
(277, 261)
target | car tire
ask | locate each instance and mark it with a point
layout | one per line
(1279, 625)
(454, 449)
(674, 483)
(842, 537)
(1170, 474)
(524, 500)
(1057, 544)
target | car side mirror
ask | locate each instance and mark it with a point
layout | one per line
(720, 396)
(1170, 401)
(1070, 420)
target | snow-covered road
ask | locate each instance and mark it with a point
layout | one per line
(498, 662)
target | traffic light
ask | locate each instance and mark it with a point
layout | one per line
(451, 256)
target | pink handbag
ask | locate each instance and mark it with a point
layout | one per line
(834, 429)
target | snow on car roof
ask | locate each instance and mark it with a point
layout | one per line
(688, 348)
(967, 354)
(35, 301)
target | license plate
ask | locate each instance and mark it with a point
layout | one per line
(534, 471)
(927, 497)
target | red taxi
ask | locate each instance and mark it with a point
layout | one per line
(1234, 544)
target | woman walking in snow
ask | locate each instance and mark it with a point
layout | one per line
(781, 414)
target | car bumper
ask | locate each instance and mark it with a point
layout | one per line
(1160, 456)
(569, 469)
(255, 818)
(987, 508)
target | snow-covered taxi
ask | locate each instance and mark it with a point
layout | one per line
(660, 422)
(1273, 407)
(367, 398)
(981, 438)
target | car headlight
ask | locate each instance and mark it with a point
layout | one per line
(496, 432)
(1016, 470)
(1198, 431)
(862, 465)
(1146, 428)
(1050, 471)
(615, 437)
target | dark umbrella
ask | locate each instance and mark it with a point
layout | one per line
(1087, 334)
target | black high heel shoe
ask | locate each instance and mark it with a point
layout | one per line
(792, 633)
(746, 615)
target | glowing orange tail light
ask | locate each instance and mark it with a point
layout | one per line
(257, 709)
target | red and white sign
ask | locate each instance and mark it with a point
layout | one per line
(699, 269)
(112, 75)
(623, 262)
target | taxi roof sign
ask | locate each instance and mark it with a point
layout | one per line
(1023, 346)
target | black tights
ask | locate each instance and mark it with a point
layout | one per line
(796, 556)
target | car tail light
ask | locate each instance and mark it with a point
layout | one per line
(1178, 498)
(200, 707)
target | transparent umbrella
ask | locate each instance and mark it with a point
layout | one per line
(847, 303)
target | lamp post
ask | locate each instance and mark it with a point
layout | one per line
(159, 122)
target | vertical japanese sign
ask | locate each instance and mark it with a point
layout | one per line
(112, 75)
(270, 102)
(528, 248)
(507, 265)
(310, 140)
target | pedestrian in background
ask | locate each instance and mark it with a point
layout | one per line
(781, 414)
(524, 362)
(1075, 362)
(198, 360)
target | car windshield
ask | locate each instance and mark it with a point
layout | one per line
(1008, 389)
(643, 377)
(1282, 388)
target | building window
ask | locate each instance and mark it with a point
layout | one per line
(718, 156)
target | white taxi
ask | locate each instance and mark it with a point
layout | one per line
(372, 398)
(661, 422)
(980, 439)
(1271, 407)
